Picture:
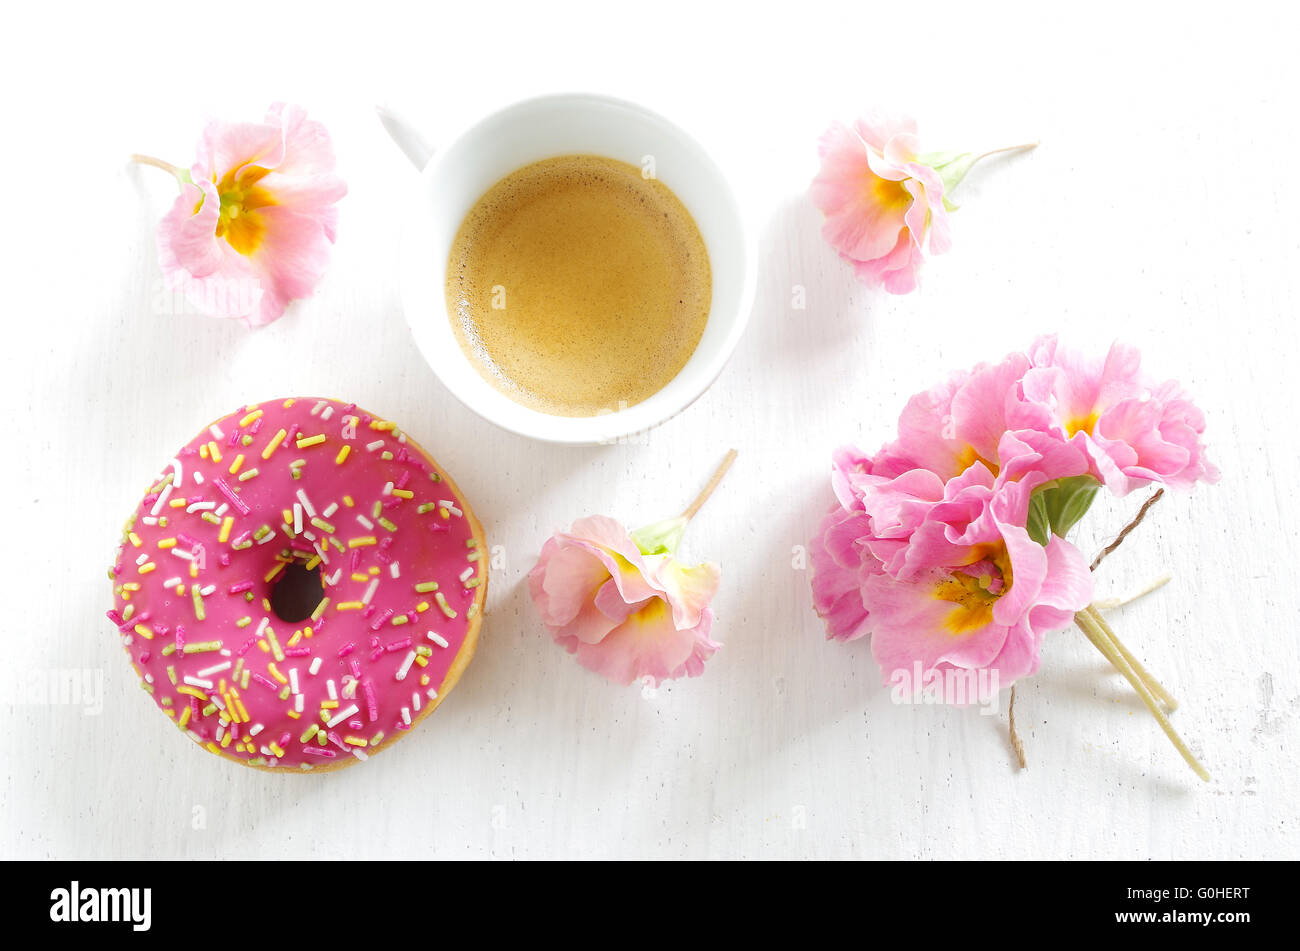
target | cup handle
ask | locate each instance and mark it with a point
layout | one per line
(413, 145)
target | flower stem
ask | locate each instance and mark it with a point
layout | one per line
(182, 175)
(1110, 604)
(1099, 640)
(156, 163)
(1023, 147)
(954, 169)
(1152, 684)
(708, 489)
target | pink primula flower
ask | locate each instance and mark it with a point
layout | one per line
(252, 228)
(626, 615)
(841, 565)
(975, 591)
(882, 205)
(885, 203)
(935, 546)
(1134, 431)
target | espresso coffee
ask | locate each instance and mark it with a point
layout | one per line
(577, 285)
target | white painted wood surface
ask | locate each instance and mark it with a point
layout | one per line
(1161, 207)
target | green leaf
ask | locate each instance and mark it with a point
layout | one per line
(1057, 506)
(1070, 501)
(1039, 525)
(937, 160)
(951, 166)
(660, 538)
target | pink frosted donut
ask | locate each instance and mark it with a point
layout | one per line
(252, 514)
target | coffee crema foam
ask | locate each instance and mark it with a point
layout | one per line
(577, 286)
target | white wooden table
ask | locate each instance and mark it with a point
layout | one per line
(1160, 207)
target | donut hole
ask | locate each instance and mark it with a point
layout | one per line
(296, 593)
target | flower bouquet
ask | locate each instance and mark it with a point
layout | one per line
(949, 545)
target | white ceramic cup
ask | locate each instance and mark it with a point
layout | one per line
(459, 174)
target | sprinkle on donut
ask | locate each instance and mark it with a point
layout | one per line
(275, 490)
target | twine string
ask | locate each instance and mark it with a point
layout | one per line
(1017, 746)
(1124, 532)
